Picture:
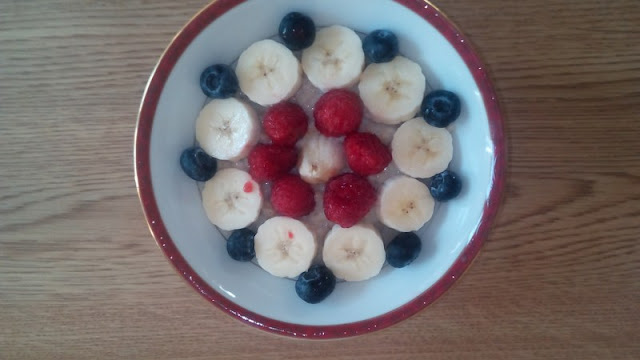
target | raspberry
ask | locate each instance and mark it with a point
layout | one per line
(291, 196)
(285, 123)
(366, 154)
(347, 199)
(338, 113)
(270, 162)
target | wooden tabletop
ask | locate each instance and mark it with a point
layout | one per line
(82, 278)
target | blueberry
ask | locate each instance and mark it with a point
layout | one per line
(440, 108)
(315, 284)
(219, 81)
(445, 186)
(380, 46)
(197, 164)
(297, 31)
(403, 249)
(240, 245)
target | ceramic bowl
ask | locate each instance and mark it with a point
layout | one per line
(172, 203)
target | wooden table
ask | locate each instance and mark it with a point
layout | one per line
(81, 277)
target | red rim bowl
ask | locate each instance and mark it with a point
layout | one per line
(145, 190)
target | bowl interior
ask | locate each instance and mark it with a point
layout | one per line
(199, 242)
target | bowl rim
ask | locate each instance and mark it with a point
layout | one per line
(142, 169)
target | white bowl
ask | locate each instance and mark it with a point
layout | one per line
(172, 203)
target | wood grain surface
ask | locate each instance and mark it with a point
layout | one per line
(81, 277)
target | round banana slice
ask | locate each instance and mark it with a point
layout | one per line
(227, 129)
(284, 246)
(421, 150)
(231, 199)
(405, 204)
(392, 91)
(355, 253)
(335, 60)
(268, 72)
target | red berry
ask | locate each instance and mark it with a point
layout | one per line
(270, 162)
(338, 113)
(366, 154)
(291, 196)
(347, 199)
(285, 123)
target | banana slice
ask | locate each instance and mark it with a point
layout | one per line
(355, 253)
(231, 199)
(284, 246)
(227, 129)
(392, 91)
(321, 158)
(421, 150)
(268, 72)
(405, 204)
(335, 59)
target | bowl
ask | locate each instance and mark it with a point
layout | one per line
(172, 204)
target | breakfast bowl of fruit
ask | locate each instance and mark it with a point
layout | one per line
(318, 173)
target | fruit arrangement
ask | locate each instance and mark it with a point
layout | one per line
(310, 200)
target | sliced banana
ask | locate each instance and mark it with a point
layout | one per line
(284, 246)
(268, 72)
(231, 199)
(355, 253)
(392, 91)
(227, 129)
(405, 204)
(421, 150)
(335, 60)
(321, 158)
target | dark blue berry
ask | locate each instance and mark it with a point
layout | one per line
(403, 249)
(315, 284)
(219, 81)
(297, 31)
(380, 46)
(440, 108)
(240, 245)
(445, 186)
(197, 164)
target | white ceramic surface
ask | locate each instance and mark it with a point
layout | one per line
(178, 198)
